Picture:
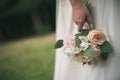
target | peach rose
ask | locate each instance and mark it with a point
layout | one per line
(96, 37)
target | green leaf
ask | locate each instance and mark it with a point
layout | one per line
(89, 52)
(59, 44)
(104, 56)
(106, 47)
(84, 32)
(77, 41)
(84, 63)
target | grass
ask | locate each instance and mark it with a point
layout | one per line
(28, 59)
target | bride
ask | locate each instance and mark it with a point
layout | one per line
(71, 17)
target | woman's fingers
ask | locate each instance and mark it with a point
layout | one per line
(81, 15)
(88, 19)
(80, 22)
(84, 23)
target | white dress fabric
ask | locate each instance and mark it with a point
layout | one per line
(106, 16)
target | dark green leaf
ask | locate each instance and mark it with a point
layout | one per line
(77, 41)
(89, 52)
(104, 56)
(84, 63)
(106, 47)
(58, 44)
(84, 32)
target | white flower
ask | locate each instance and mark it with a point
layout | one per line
(71, 50)
(84, 46)
(83, 39)
(84, 43)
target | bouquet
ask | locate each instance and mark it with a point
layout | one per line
(88, 46)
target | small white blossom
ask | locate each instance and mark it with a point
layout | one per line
(71, 50)
(84, 43)
(83, 39)
(84, 46)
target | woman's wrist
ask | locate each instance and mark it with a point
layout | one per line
(76, 2)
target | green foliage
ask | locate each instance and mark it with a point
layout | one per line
(59, 44)
(77, 41)
(84, 32)
(23, 6)
(3, 2)
(106, 47)
(89, 52)
(84, 63)
(16, 17)
(104, 56)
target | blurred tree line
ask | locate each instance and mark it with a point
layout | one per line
(20, 18)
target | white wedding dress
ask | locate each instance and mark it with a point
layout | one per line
(106, 15)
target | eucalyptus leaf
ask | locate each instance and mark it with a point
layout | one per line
(89, 52)
(84, 63)
(104, 56)
(77, 41)
(106, 47)
(84, 32)
(59, 44)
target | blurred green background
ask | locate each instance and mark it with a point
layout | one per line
(27, 38)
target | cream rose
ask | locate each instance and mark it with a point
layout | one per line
(96, 37)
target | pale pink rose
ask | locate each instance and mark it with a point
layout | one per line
(70, 46)
(66, 43)
(70, 42)
(96, 37)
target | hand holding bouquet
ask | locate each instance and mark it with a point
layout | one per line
(87, 46)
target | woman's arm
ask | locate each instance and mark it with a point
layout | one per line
(80, 13)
